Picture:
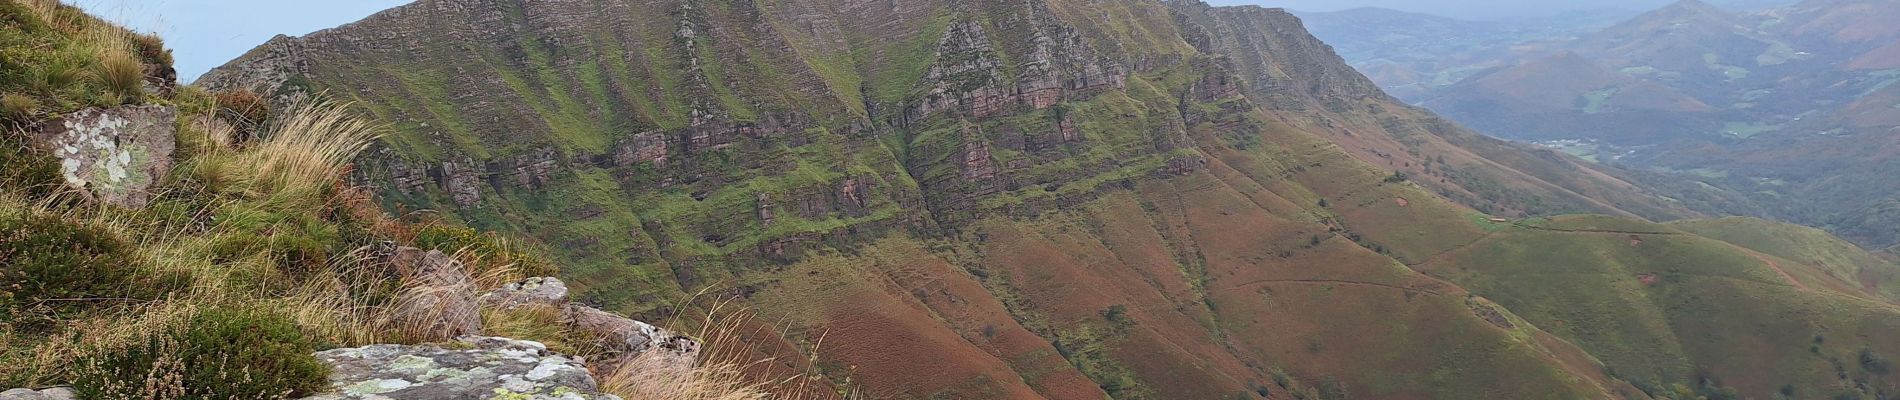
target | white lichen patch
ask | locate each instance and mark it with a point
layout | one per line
(412, 364)
(91, 152)
(377, 386)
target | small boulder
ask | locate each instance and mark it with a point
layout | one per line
(474, 368)
(627, 338)
(440, 299)
(114, 155)
(531, 291)
(58, 393)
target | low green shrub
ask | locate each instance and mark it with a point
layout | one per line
(54, 265)
(151, 49)
(26, 170)
(1874, 363)
(218, 353)
(242, 107)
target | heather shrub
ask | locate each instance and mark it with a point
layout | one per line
(219, 353)
(51, 265)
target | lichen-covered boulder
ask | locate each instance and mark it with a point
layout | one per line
(114, 155)
(58, 393)
(527, 292)
(440, 298)
(627, 338)
(474, 368)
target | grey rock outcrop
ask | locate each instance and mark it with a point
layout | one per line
(622, 338)
(58, 393)
(489, 368)
(462, 180)
(527, 292)
(441, 299)
(114, 155)
(629, 338)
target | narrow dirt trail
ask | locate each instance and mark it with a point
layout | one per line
(1330, 282)
(1776, 266)
(1605, 231)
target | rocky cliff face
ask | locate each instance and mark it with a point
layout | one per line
(989, 199)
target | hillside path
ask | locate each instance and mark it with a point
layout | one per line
(1331, 282)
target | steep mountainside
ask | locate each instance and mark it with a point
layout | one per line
(1049, 199)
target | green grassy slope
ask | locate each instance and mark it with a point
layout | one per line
(1031, 200)
(1841, 260)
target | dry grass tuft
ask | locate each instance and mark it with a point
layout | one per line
(307, 152)
(117, 68)
(539, 322)
(53, 14)
(18, 107)
(122, 75)
(651, 376)
(728, 369)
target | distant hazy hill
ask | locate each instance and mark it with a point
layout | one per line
(1411, 54)
(1569, 96)
(1809, 84)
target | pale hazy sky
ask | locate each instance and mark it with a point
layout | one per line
(206, 33)
(1491, 9)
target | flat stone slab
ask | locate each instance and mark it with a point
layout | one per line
(58, 393)
(473, 368)
(532, 291)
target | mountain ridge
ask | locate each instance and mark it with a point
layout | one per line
(1178, 202)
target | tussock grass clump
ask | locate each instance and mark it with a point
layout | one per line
(649, 377)
(121, 74)
(719, 376)
(307, 152)
(18, 107)
(67, 60)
